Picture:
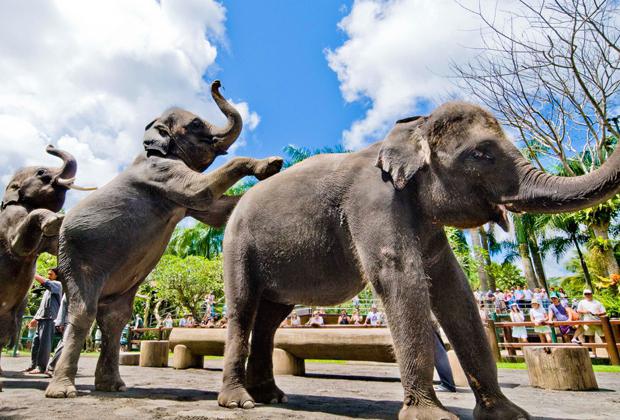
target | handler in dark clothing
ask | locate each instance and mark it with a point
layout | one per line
(60, 323)
(44, 321)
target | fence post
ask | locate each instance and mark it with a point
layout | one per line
(159, 334)
(612, 349)
(492, 336)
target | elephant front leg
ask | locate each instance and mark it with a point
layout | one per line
(453, 303)
(218, 213)
(395, 271)
(39, 226)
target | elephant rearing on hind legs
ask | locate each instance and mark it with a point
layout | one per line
(111, 240)
(29, 226)
(315, 233)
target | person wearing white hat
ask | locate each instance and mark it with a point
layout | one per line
(517, 316)
(590, 309)
(538, 315)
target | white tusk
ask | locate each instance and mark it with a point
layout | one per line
(78, 188)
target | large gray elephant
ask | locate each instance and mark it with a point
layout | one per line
(111, 240)
(29, 225)
(316, 233)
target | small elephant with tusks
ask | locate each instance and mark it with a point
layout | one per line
(111, 240)
(29, 226)
(316, 233)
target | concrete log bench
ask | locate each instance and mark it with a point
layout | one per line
(292, 346)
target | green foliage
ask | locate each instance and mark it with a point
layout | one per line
(296, 153)
(506, 275)
(184, 282)
(44, 263)
(610, 300)
(460, 247)
(199, 240)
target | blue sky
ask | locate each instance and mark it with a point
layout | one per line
(275, 61)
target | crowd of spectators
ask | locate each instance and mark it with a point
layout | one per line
(523, 305)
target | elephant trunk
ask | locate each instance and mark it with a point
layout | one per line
(69, 168)
(224, 137)
(540, 192)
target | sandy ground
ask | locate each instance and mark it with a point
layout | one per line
(329, 391)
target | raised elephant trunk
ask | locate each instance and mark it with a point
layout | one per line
(224, 137)
(540, 192)
(66, 174)
(69, 168)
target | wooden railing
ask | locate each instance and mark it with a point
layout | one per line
(500, 336)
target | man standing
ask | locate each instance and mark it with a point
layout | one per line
(373, 317)
(60, 323)
(44, 322)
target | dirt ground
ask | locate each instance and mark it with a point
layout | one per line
(329, 391)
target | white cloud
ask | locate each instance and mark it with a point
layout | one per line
(88, 76)
(398, 56)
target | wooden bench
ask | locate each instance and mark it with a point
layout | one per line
(296, 344)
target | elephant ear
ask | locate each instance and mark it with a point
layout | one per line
(157, 137)
(10, 197)
(404, 151)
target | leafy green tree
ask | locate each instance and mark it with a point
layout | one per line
(184, 282)
(297, 153)
(506, 275)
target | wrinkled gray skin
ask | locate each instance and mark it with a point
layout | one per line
(29, 225)
(112, 239)
(317, 232)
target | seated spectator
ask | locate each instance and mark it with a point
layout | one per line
(537, 294)
(222, 322)
(484, 316)
(557, 312)
(590, 309)
(168, 322)
(344, 318)
(356, 318)
(539, 317)
(373, 317)
(516, 315)
(190, 322)
(183, 321)
(500, 304)
(295, 321)
(316, 320)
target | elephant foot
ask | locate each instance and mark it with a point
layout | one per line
(61, 389)
(51, 225)
(110, 385)
(425, 413)
(235, 398)
(267, 167)
(500, 409)
(267, 393)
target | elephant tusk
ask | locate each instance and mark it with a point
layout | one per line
(78, 188)
(68, 183)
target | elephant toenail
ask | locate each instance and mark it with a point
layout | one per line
(248, 404)
(284, 399)
(273, 401)
(232, 405)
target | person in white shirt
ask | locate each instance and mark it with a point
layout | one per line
(590, 309)
(168, 321)
(316, 320)
(295, 320)
(538, 316)
(517, 316)
(527, 294)
(373, 317)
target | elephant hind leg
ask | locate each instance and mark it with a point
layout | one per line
(242, 298)
(260, 381)
(112, 315)
(82, 295)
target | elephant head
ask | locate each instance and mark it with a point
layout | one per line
(40, 186)
(470, 173)
(183, 135)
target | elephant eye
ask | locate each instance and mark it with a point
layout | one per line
(14, 187)
(480, 155)
(41, 172)
(196, 124)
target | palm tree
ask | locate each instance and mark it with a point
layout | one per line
(521, 248)
(298, 153)
(567, 223)
(200, 240)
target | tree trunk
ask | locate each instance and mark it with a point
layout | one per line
(601, 230)
(582, 261)
(538, 263)
(156, 313)
(487, 257)
(480, 262)
(528, 269)
(568, 368)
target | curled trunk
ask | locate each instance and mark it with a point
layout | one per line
(540, 192)
(69, 168)
(224, 137)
